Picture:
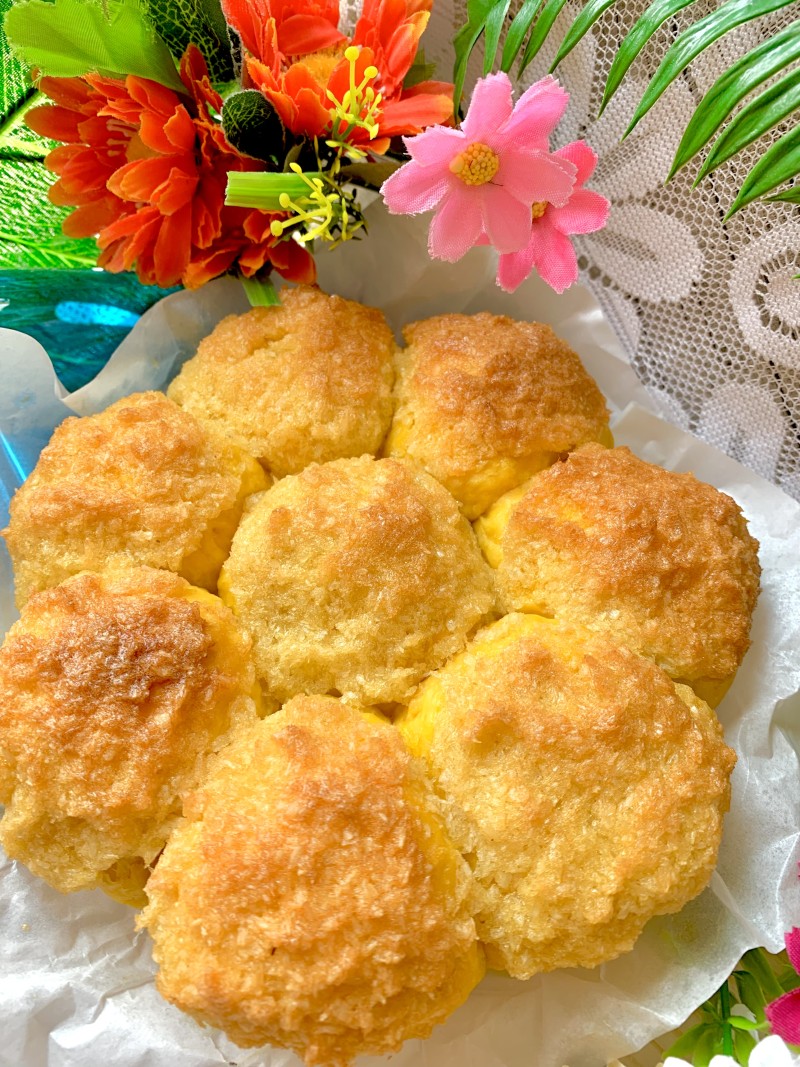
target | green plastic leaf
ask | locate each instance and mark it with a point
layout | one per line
(788, 196)
(643, 29)
(766, 111)
(540, 31)
(466, 38)
(371, 174)
(743, 1045)
(519, 27)
(261, 292)
(739, 1022)
(696, 39)
(492, 31)
(68, 38)
(707, 1046)
(684, 1047)
(746, 74)
(589, 15)
(750, 994)
(419, 71)
(181, 22)
(757, 962)
(779, 164)
(252, 126)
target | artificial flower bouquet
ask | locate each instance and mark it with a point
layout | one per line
(232, 144)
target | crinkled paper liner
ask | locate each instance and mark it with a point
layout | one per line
(76, 980)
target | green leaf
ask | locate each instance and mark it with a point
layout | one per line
(68, 38)
(788, 196)
(492, 31)
(520, 25)
(707, 1046)
(643, 29)
(779, 164)
(696, 39)
(419, 71)
(371, 174)
(754, 68)
(466, 38)
(260, 292)
(252, 126)
(739, 1022)
(757, 962)
(763, 113)
(542, 27)
(743, 1045)
(684, 1047)
(181, 22)
(589, 15)
(750, 993)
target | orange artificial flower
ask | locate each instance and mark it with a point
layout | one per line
(295, 56)
(146, 169)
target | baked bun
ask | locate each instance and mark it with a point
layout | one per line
(304, 382)
(311, 898)
(114, 690)
(585, 788)
(141, 483)
(483, 402)
(356, 577)
(659, 561)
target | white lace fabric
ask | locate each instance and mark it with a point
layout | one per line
(707, 312)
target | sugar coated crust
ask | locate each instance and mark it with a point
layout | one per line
(114, 690)
(311, 898)
(356, 577)
(584, 787)
(660, 561)
(304, 382)
(142, 483)
(484, 401)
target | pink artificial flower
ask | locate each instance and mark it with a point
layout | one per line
(549, 249)
(784, 1013)
(484, 177)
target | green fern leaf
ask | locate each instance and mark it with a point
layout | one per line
(67, 38)
(543, 25)
(763, 113)
(519, 27)
(492, 31)
(746, 74)
(478, 11)
(696, 39)
(182, 22)
(581, 26)
(788, 196)
(643, 29)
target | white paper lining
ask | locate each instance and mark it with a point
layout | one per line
(76, 986)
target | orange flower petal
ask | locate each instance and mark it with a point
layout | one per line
(301, 34)
(172, 247)
(137, 181)
(73, 93)
(90, 219)
(175, 193)
(413, 113)
(57, 123)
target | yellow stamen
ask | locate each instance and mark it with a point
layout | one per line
(476, 165)
(538, 209)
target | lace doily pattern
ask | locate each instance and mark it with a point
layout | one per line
(708, 312)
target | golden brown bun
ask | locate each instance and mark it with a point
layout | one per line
(311, 899)
(484, 402)
(356, 577)
(114, 689)
(305, 382)
(660, 561)
(141, 483)
(585, 788)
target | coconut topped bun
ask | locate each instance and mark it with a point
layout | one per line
(114, 690)
(661, 562)
(142, 483)
(586, 789)
(356, 577)
(311, 899)
(484, 401)
(304, 382)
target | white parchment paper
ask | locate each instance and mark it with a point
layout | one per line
(76, 981)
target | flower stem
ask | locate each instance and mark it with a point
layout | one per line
(263, 191)
(725, 1011)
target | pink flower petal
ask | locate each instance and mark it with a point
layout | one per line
(793, 947)
(489, 107)
(456, 226)
(534, 175)
(506, 220)
(784, 1016)
(582, 157)
(414, 188)
(554, 257)
(537, 114)
(584, 212)
(513, 269)
(437, 145)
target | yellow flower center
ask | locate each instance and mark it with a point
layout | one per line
(538, 209)
(476, 165)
